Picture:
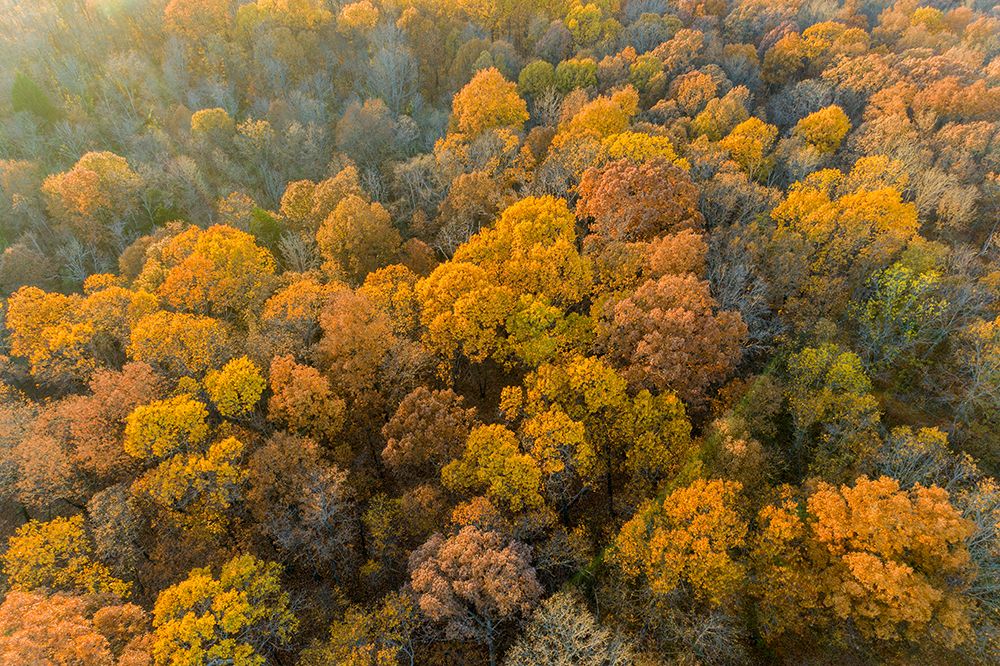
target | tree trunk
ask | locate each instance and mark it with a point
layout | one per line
(489, 643)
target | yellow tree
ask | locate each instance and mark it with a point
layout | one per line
(689, 539)
(532, 250)
(236, 388)
(194, 482)
(579, 140)
(825, 129)
(48, 330)
(58, 556)
(749, 144)
(833, 231)
(639, 440)
(488, 102)
(196, 489)
(463, 311)
(237, 617)
(834, 414)
(507, 292)
(164, 427)
(178, 343)
(392, 290)
(494, 465)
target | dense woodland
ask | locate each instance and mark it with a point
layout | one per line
(514, 332)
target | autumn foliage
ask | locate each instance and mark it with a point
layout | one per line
(520, 332)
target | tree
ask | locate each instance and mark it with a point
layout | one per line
(562, 631)
(978, 361)
(112, 310)
(671, 335)
(507, 291)
(49, 331)
(693, 91)
(578, 141)
(303, 503)
(687, 539)
(358, 237)
(636, 202)
(194, 20)
(179, 344)
(830, 237)
(834, 414)
(162, 428)
(195, 490)
(749, 144)
(589, 24)
(566, 459)
(99, 190)
(301, 397)
(392, 290)
(116, 521)
(676, 254)
(387, 634)
(488, 102)
(220, 271)
(575, 73)
(462, 311)
(358, 16)
(428, 430)
(824, 129)
(887, 561)
(26, 95)
(531, 250)
(535, 78)
(493, 464)
(290, 318)
(472, 583)
(64, 629)
(723, 114)
(356, 339)
(306, 204)
(214, 124)
(640, 147)
(473, 202)
(900, 318)
(367, 133)
(236, 388)
(46, 475)
(238, 617)
(30, 311)
(640, 440)
(58, 556)
(97, 421)
(298, 15)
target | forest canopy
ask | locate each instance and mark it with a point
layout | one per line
(515, 332)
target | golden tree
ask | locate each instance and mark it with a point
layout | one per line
(687, 539)
(887, 561)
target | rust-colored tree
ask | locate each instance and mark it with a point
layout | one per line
(625, 201)
(671, 335)
(473, 583)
